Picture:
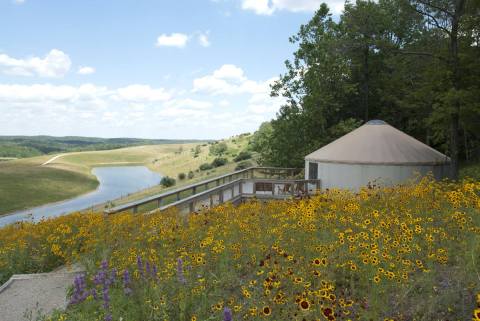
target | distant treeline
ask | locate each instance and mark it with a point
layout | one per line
(29, 146)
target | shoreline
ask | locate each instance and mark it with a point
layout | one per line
(62, 207)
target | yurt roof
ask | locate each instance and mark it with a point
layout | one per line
(376, 142)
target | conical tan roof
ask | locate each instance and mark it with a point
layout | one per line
(376, 142)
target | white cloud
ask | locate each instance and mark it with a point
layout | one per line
(138, 110)
(229, 80)
(224, 103)
(268, 7)
(19, 1)
(229, 71)
(85, 70)
(189, 103)
(262, 7)
(178, 40)
(45, 93)
(142, 93)
(203, 39)
(55, 64)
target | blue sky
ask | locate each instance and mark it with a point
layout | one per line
(143, 68)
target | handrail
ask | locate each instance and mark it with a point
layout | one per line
(224, 187)
(160, 197)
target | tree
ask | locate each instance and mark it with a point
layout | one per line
(445, 18)
(167, 181)
(218, 148)
(411, 63)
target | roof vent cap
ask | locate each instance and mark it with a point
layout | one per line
(376, 122)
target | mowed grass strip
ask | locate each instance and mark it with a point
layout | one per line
(24, 184)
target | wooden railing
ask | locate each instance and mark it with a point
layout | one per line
(244, 188)
(185, 195)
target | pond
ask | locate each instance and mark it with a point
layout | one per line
(115, 182)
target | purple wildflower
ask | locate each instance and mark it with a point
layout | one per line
(93, 292)
(126, 282)
(140, 265)
(147, 267)
(180, 275)
(79, 290)
(154, 271)
(227, 314)
(113, 276)
(106, 298)
(104, 265)
(108, 317)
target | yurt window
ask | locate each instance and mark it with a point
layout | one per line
(312, 170)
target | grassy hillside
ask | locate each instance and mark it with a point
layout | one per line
(24, 183)
(404, 253)
(30, 146)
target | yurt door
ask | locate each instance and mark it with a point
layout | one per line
(312, 170)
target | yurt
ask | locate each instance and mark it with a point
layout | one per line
(375, 154)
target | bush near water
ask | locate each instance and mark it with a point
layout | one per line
(403, 253)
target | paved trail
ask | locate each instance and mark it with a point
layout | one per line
(26, 296)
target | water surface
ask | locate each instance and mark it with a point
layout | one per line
(115, 182)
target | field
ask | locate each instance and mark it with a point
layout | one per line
(24, 183)
(403, 253)
(70, 174)
(30, 146)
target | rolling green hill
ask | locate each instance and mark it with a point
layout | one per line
(30, 182)
(30, 146)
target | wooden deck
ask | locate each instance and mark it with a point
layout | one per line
(259, 182)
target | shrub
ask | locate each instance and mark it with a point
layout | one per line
(218, 149)
(243, 165)
(243, 155)
(191, 175)
(181, 176)
(205, 167)
(219, 161)
(167, 181)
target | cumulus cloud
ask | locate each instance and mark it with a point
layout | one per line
(47, 93)
(203, 39)
(190, 103)
(142, 93)
(178, 40)
(139, 110)
(229, 80)
(268, 7)
(55, 64)
(85, 70)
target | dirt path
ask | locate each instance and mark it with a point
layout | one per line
(52, 159)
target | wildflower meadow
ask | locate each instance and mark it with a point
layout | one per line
(402, 253)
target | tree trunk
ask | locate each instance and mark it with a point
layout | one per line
(455, 114)
(454, 142)
(366, 88)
